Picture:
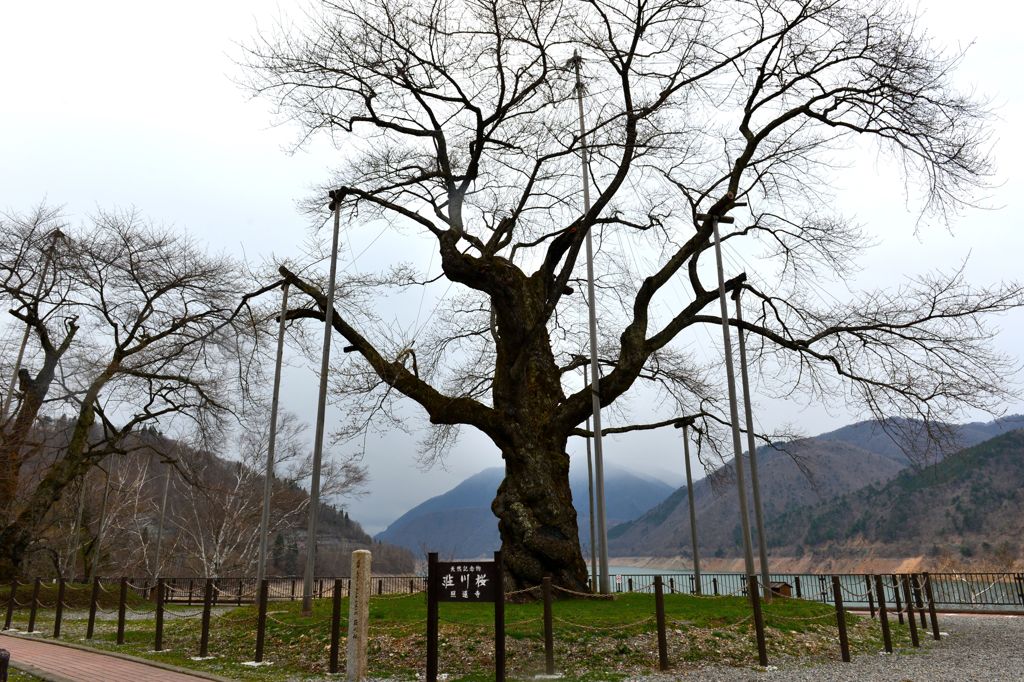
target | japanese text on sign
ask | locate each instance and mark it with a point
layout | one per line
(467, 581)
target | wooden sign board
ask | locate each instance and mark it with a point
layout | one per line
(467, 581)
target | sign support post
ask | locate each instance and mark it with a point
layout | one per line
(467, 582)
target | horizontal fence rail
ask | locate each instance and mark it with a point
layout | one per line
(952, 590)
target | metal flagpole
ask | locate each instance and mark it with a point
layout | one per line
(685, 425)
(748, 554)
(55, 235)
(268, 474)
(762, 541)
(590, 492)
(321, 409)
(595, 387)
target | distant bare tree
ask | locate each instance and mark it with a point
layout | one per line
(218, 521)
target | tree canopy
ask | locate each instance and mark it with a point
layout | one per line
(458, 118)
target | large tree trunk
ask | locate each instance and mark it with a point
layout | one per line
(534, 503)
(14, 440)
(17, 536)
(536, 517)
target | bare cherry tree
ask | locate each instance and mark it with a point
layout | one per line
(34, 284)
(143, 311)
(458, 119)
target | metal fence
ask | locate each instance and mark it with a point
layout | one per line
(953, 590)
(286, 588)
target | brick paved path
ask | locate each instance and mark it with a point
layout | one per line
(75, 665)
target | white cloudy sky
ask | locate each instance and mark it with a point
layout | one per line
(115, 103)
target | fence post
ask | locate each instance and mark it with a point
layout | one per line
(908, 598)
(161, 595)
(93, 598)
(549, 637)
(659, 616)
(335, 625)
(755, 601)
(204, 637)
(121, 601)
(714, 585)
(262, 596)
(844, 643)
(61, 585)
(410, 587)
(432, 617)
(883, 615)
(799, 592)
(238, 596)
(10, 605)
(191, 587)
(630, 582)
(293, 589)
(931, 606)
(821, 588)
(35, 606)
(915, 584)
(499, 619)
(896, 598)
(871, 598)
(1020, 587)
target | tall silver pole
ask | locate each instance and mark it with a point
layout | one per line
(321, 410)
(762, 542)
(693, 508)
(160, 525)
(748, 554)
(268, 474)
(595, 387)
(590, 492)
(24, 337)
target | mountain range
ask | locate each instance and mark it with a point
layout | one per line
(845, 494)
(878, 488)
(459, 523)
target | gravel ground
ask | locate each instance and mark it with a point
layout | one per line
(987, 648)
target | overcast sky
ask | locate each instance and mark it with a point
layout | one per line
(127, 103)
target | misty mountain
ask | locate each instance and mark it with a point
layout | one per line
(907, 441)
(831, 466)
(970, 502)
(459, 523)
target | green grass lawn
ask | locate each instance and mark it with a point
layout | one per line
(593, 638)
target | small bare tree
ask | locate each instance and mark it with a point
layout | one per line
(144, 312)
(218, 521)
